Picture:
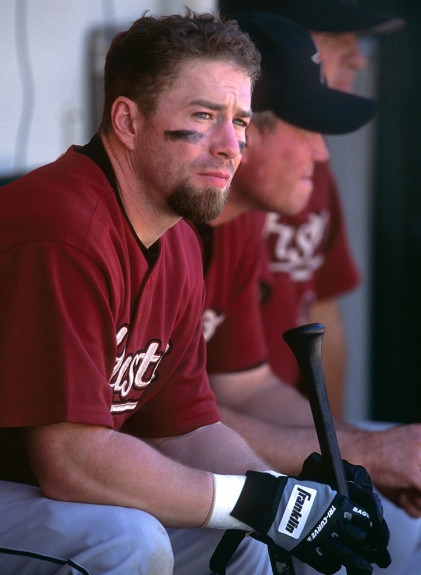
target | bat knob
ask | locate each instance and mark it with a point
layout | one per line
(303, 331)
(305, 341)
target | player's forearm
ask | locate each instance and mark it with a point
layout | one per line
(286, 446)
(89, 464)
(391, 455)
(216, 448)
(283, 447)
(260, 393)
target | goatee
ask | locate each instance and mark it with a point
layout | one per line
(199, 206)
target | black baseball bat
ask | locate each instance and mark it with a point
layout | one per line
(305, 342)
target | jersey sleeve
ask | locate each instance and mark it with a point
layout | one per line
(339, 272)
(56, 347)
(238, 342)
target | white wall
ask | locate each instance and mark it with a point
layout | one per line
(352, 158)
(43, 71)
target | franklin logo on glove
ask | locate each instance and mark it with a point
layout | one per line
(297, 511)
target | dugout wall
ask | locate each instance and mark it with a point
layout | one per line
(396, 274)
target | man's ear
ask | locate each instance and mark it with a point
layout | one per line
(124, 115)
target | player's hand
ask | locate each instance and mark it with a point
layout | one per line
(314, 523)
(392, 457)
(361, 491)
(410, 500)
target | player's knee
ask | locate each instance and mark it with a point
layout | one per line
(154, 555)
(136, 543)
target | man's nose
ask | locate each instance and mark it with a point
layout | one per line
(319, 148)
(226, 141)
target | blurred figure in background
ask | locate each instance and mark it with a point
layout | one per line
(311, 264)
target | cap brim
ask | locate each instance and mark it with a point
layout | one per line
(393, 25)
(334, 17)
(352, 18)
(335, 113)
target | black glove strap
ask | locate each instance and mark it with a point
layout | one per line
(226, 548)
(259, 500)
(280, 559)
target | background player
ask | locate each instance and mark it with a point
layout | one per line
(310, 261)
(273, 417)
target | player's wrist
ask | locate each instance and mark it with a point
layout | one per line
(259, 499)
(226, 491)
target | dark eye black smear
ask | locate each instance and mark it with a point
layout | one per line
(185, 135)
(193, 137)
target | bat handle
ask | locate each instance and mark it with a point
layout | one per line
(306, 344)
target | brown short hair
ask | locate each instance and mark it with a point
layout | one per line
(144, 60)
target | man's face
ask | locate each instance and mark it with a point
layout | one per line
(191, 146)
(341, 56)
(277, 168)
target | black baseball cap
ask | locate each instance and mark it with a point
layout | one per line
(292, 84)
(322, 15)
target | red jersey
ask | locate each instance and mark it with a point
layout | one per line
(232, 320)
(309, 260)
(95, 328)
